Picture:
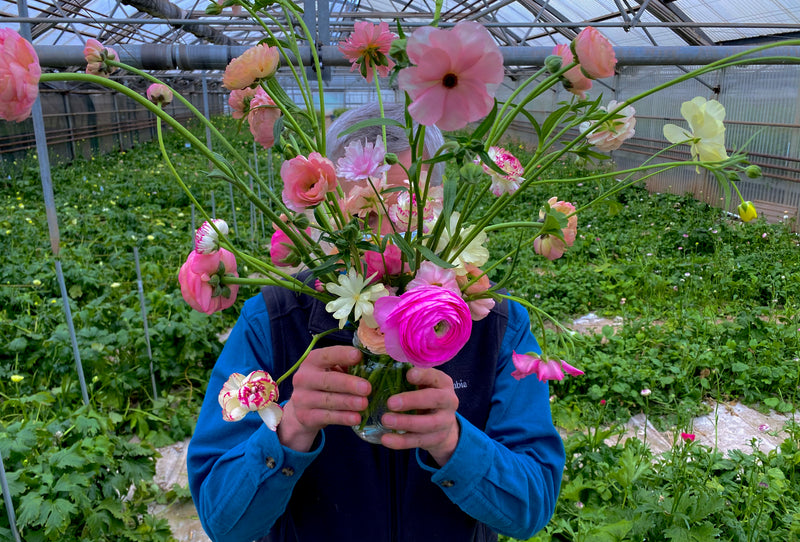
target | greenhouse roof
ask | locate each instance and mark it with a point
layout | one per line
(637, 23)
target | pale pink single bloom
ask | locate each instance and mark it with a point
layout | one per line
(262, 118)
(610, 135)
(206, 239)
(19, 76)
(256, 392)
(426, 326)
(159, 94)
(371, 338)
(256, 63)
(240, 99)
(595, 54)
(456, 75)
(363, 200)
(549, 246)
(362, 162)
(688, 437)
(528, 364)
(96, 55)
(571, 231)
(195, 276)
(478, 308)
(508, 183)
(368, 47)
(430, 274)
(574, 79)
(403, 214)
(380, 265)
(306, 181)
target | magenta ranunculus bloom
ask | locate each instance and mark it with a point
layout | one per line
(595, 54)
(456, 75)
(262, 118)
(390, 262)
(200, 284)
(19, 76)
(426, 326)
(688, 437)
(307, 180)
(573, 79)
(528, 364)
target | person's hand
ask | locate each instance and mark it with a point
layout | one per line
(434, 426)
(324, 394)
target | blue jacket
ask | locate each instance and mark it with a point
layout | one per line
(504, 475)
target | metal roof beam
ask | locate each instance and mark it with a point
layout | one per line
(671, 13)
(164, 9)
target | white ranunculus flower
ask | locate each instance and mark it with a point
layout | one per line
(356, 296)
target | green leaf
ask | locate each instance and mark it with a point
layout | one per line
(17, 345)
(66, 458)
(30, 510)
(431, 256)
(58, 517)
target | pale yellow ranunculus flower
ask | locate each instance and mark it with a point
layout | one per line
(706, 133)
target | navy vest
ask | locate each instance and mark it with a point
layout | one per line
(360, 492)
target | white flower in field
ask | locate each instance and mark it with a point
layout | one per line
(706, 134)
(115, 284)
(206, 240)
(355, 295)
(474, 253)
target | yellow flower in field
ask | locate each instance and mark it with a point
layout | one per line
(17, 378)
(150, 238)
(747, 211)
(36, 282)
(706, 133)
(115, 284)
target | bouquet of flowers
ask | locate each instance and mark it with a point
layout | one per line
(394, 249)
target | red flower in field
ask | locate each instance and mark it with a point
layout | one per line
(528, 364)
(367, 48)
(19, 76)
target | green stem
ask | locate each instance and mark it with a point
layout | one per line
(314, 340)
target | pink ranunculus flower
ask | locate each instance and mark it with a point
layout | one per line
(688, 437)
(595, 54)
(96, 55)
(240, 99)
(573, 79)
(206, 238)
(368, 47)
(200, 280)
(257, 63)
(159, 94)
(380, 265)
(262, 118)
(282, 250)
(426, 326)
(19, 76)
(256, 392)
(430, 274)
(610, 135)
(549, 246)
(478, 308)
(363, 200)
(403, 214)
(307, 180)
(456, 75)
(531, 363)
(361, 162)
(571, 231)
(508, 183)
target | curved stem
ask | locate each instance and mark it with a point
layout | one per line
(314, 340)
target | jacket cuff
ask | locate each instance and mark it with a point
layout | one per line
(269, 457)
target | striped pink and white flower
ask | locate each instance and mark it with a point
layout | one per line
(256, 392)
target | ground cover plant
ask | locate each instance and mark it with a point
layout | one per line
(710, 308)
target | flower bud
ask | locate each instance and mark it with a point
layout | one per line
(553, 63)
(752, 171)
(391, 158)
(472, 173)
(747, 211)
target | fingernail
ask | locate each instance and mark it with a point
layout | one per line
(363, 388)
(394, 403)
(389, 420)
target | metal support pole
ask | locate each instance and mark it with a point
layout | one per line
(12, 518)
(206, 113)
(143, 305)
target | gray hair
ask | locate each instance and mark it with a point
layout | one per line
(396, 140)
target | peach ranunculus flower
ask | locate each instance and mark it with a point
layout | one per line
(456, 75)
(509, 183)
(240, 99)
(368, 47)
(256, 392)
(550, 246)
(96, 55)
(478, 308)
(610, 135)
(595, 54)
(262, 118)
(201, 284)
(307, 180)
(257, 63)
(371, 338)
(573, 79)
(19, 76)
(159, 94)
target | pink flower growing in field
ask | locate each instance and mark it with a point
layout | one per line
(363, 161)
(550, 246)
(688, 437)
(456, 75)
(256, 392)
(508, 183)
(573, 79)
(262, 118)
(159, 94)
(96, 55)
(307, 180)
(595, 54)
(19, 76)
(530, 363)
(610, 135)
(201, 281)
(368, 47)
(257, 63)
(426, 326)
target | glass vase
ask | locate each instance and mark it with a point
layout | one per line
(387, 377)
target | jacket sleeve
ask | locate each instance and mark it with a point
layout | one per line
(509, 476)
(240, 476)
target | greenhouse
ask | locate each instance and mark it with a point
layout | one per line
(515, 270)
